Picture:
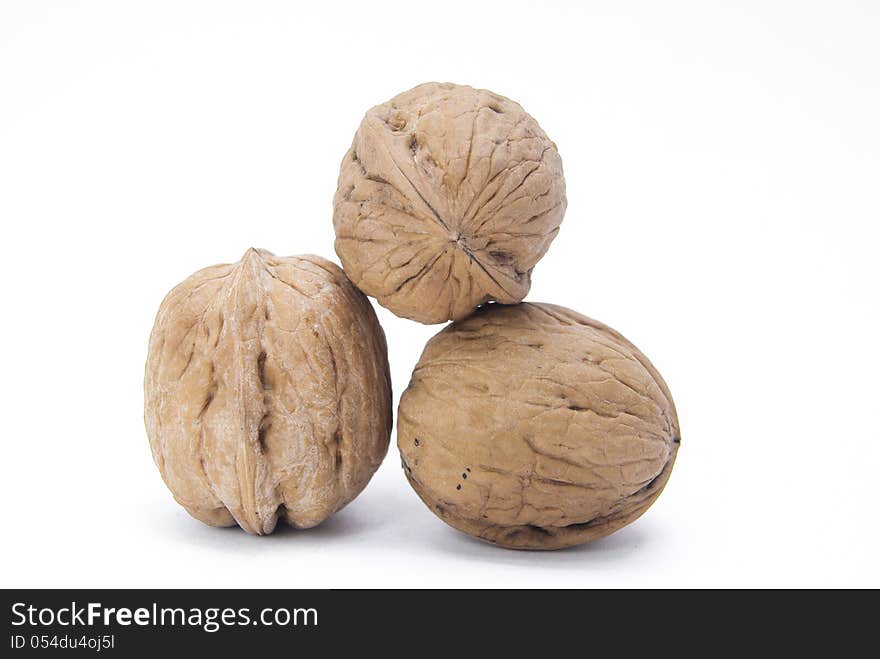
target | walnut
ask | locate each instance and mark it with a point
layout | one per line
(534, 427)
(447, 199)
(267, 392)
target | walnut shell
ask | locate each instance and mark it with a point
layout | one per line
(267, 392)
(534, 427)
(447, 199)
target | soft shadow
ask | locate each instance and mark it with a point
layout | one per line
(619, 546)
(376, 512)
(343, 524)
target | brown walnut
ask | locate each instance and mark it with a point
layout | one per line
(447, 199)
(534, 427)
(267, 393)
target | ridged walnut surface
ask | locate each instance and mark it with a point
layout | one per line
(534, 427)
(447, 199)
(267, 392)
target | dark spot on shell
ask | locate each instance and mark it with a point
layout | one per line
(652, 483)
(375, 178)
(261, 371)
(458, 487)
(261, 435)
(208, 400)
(464, 476)
(416, 441)
(502, 258)
(575, 526)
(337, 457)
(539, 529)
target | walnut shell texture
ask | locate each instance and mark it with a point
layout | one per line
(533, 427)
(447, 199)
(267, 392)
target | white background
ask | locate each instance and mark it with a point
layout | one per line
(722, 162)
